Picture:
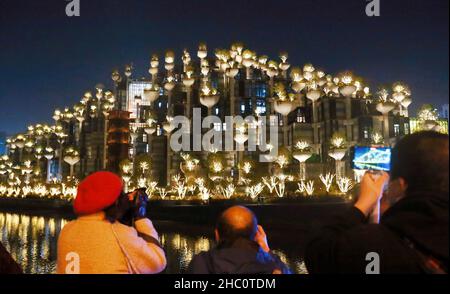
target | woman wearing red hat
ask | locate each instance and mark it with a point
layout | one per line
(97, 243)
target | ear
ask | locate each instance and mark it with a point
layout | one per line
(403, 185)
(216, 235)
(397, 189)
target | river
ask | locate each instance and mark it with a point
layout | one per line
(31, 240)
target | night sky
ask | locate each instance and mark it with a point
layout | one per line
(48, 60)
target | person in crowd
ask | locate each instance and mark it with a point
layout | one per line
(7, 264)
(412, 236)
(242, 248)
(111, 233)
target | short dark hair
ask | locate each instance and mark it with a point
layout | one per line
(229, 233)
(119, 209)
(422, 160)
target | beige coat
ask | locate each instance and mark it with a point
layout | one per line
(92, 245)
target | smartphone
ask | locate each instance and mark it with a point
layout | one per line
(371, 158)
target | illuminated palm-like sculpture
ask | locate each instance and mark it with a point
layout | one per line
(100, 107)
(71, 157)
(313, 93)
(402, 95)
(169, 84)
(152, 93)
(283, 104)
(284, 65)
(248, 60)
(49, 153)
(428, 117)
(150, 129)
(209, 96)
(188, 82)
(302, 153)
(337, 152)
(234, 59)
(168, 127)
(347, 89)
(60, 137)
(384, 106)
(240, 138)
(271, 71)
(19, 142)
(298, 84)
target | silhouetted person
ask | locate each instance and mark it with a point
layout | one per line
(242, 247)
(412, 236)
(7, 264)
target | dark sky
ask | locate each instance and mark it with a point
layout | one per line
(48, 60)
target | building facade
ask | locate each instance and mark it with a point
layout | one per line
(135, 116)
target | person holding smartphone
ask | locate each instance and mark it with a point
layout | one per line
(412, 234)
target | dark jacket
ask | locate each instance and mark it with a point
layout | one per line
(241, 257)
(412, 237)
(7, 263)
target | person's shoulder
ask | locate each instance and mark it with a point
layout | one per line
(366, 238)
(201, 255)
(124, 229)
(68, 226)
(199, 263)
(367, 230)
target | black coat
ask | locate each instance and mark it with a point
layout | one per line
(412, 233)
(7, 263)
(240, 257)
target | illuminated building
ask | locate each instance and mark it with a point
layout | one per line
(310, 104)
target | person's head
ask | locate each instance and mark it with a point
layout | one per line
(419, 163)
(234, 223)
(97, 192)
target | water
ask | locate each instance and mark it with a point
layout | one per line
(32, 239)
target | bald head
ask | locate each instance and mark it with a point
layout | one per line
(237, 222)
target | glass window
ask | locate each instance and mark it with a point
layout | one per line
(406, 128)
(260, 107)
(158, 131)
(135, 94)
(217, 126)
(396, 130)
(273, 120)
(300, 116)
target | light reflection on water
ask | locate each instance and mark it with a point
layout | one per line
(32, 240)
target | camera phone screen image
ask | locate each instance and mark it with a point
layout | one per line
(372, 158)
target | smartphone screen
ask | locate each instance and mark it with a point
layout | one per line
(371, 158)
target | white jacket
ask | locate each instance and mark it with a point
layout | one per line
(92, 245)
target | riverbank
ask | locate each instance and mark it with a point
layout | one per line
(185, 228)
(293, 212)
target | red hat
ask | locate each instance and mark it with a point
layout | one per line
(96, 192)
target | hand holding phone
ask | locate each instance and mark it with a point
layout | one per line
(139, 200)
(372, 186)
